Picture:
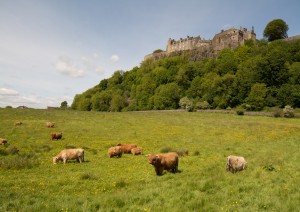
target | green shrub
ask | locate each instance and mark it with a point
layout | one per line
(3, 152)
(269, 167)
(19, 162)
(186, 103)
(167, 149)
(43, 148)
(182, 152)
(88, 176)
(12, 150)
(288, 112)
(121, 183)
(202, 105)
(93, 151)
(195, 153)
(240, 111)
(246, 107)
(276, 112)
(157, 51)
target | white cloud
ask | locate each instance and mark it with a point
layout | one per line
(13, 98)
(34, 101)
(15, 101)
(91, 63)
(100, 70)
(87, 62)
(115, 58)
(8, 92)
(56, 101)
(65, 66)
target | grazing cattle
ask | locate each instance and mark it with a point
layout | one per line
(161, 162)
(235, 163)
(3, 141)
(69, 154)
(137, 151)
(50, 124)
(18, 123)
(126, 148)
(115, 151)
(55, 135)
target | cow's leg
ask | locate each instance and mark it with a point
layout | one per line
(159, 171)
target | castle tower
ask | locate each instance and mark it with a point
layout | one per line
(169, 46)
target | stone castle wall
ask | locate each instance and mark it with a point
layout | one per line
(230, 38)
(188, 43)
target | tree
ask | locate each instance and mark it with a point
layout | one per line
(85, 104)
(116, 79)
(289, 94)
(257, 95)
(64, 105)
(273, 69)
(166, 97)
(144, 91)
(225, 62)
(245, 77)
(276, 29)
(157, 51)
(101, 101)
(117, 103)
(75, 103)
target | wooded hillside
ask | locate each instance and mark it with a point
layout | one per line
(254, 76)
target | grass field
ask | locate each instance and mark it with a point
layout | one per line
(30, 182)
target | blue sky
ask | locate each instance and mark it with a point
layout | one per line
(51, 50)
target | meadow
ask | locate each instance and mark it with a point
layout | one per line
(31, 182)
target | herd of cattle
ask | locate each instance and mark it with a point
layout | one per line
(167, 161)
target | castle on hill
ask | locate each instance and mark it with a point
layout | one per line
(230, 38)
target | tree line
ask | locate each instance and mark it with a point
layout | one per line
(255, 75)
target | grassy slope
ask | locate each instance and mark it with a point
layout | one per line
(130, 183)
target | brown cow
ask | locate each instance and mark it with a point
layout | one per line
(69, 154)
(126, 148)
(18, 123)
(137, 151)
(235, 163)
(55, 135)
(115, 151)
(161, 162)
(3, 141)
(50, 124)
